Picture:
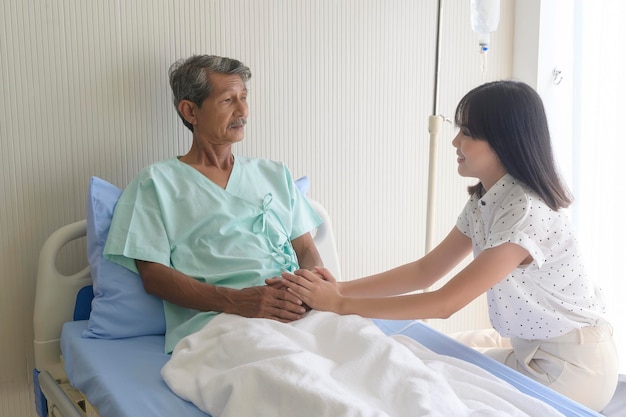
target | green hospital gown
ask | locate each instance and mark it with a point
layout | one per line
(234, 237)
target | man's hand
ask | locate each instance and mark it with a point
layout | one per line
(317, 288)
(278, 283)
(271, 301)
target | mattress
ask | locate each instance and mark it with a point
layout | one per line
(122, 376)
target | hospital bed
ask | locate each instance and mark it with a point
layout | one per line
(77, 376)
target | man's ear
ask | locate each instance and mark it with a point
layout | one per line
(188, 110)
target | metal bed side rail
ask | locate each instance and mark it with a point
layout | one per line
(55, 298)
(60, 404)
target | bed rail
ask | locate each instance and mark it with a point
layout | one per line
(62, 404)
(55, 298)
(324, 238)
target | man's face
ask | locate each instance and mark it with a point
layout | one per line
(223, 115)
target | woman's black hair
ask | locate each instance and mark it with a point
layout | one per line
(510, 116)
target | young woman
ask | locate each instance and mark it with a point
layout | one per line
(547, 314)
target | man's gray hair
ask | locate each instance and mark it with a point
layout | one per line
(189, 78)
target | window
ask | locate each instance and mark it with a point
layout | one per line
(599, 149)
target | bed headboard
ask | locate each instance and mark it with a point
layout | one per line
(56, 292)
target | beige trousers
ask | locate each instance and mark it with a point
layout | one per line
(582, 365)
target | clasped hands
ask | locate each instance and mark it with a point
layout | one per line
(288, 297)
(318, 288)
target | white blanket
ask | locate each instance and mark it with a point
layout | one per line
(330, 365)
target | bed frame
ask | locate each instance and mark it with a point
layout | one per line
(62, 298)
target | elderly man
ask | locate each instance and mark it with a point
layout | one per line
(207, 230)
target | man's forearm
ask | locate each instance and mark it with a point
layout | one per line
(308, 255)
(180, 289)
(259, 301)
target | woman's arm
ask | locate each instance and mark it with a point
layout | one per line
(489, 268)
(416, 275)
(374, 301)
(420, 274)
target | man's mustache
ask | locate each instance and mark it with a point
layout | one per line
(238, 123)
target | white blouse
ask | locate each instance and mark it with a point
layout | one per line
(553, 294)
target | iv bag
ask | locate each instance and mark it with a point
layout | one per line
(485, 16)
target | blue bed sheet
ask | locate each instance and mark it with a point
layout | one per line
(100, 368)
(121, 376)
(440, 343)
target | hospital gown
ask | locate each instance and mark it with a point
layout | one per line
(234, 237)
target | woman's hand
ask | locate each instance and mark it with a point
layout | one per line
(318, 288)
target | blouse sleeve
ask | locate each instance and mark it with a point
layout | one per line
(518, 223)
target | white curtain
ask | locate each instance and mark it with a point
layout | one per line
(600, 150)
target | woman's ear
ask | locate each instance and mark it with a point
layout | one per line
(188, 110)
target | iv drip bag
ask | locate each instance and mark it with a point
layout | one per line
(485, 16)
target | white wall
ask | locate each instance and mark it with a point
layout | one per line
(341, 91)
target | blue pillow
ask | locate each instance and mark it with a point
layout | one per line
(303, 184)
(120, 307)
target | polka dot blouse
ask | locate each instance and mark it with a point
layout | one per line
(548, 297)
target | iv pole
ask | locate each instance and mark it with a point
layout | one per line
(485, 21)
(434, 125)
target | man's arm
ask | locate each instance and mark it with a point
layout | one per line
(180, 289)
(308, 256)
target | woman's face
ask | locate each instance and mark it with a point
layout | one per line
(477, 159)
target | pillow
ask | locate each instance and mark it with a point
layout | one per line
(303, 184)
(120, 307)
